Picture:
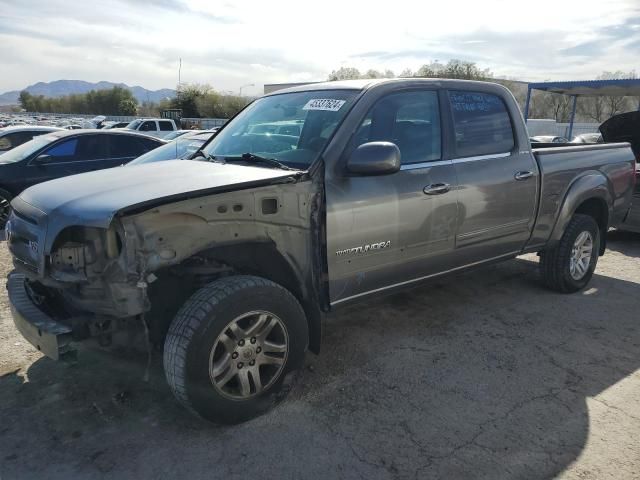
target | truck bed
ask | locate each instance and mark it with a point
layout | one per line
(561, 164)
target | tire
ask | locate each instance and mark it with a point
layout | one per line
(558, 272)
(213, 352)
(5, 207)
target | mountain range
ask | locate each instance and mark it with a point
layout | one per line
(60, 88)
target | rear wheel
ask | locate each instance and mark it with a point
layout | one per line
(569, 266)
(233, 347)
(5, 207)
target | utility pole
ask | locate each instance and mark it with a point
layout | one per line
(247, 85)
(180, 72)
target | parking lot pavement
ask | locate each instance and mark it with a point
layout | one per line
(483, 375)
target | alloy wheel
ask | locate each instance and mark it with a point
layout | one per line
(249, 355)
(581, 255)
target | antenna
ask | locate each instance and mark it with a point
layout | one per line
(179, 72)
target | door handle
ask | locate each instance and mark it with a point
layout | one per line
(436, 189)
(523, 175)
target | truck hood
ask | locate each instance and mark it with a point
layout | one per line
(622, 128)
(92, 199)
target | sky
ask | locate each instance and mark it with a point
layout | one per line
(229, 45)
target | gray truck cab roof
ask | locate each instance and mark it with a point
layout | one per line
(366, 84)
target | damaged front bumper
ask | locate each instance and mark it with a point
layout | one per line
(50, 336)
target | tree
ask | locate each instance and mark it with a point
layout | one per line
(195, 101)
(150, 109)
(452, 69)
(556, 106)
(128, 107)
(593, 108)
(373, 74)
(616, 105)
(217, 105)
(115, 101)
(345, 73)
(25, 99)
(187, 96)
(431, 70)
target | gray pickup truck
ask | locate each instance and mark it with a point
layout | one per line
(231, 262)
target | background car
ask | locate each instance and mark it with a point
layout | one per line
(179, 133)
(154, 127)
(548, 139)
(108, 125)
(11, 137)
(181, 147)
(63, 153)
(588, 138)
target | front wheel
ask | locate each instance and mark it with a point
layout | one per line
(569, 266)
(233, 346)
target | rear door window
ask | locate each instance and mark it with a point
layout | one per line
(165, 126)
(482, 124)
(92, 147)
(150, 143)
(126, 146)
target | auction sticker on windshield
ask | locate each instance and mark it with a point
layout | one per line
(327, 104)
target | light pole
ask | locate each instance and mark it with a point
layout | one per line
(247, 85)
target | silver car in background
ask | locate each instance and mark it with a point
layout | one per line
(182, 147)
(11, 137)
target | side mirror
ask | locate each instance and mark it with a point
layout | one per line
(40, 159)
(374, 158)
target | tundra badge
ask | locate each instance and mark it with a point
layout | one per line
(364, 248)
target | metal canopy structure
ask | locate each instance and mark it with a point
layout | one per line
(586, 88)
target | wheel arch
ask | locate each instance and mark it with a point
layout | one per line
(264, 259)
(588, 195)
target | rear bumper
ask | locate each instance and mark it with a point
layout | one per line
(46, 334)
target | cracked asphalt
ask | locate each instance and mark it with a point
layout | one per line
(483, 375)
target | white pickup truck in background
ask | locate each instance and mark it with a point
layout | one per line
(155, 127)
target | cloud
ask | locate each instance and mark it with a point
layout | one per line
(228, 44)
(623, 37)
(585, 49)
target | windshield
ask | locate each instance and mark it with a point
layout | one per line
(133, 125)
(292, 128)
(26, 149)
(179, 148)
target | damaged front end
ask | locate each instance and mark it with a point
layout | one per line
(84, 287)
(91, 281)
(93, 273)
